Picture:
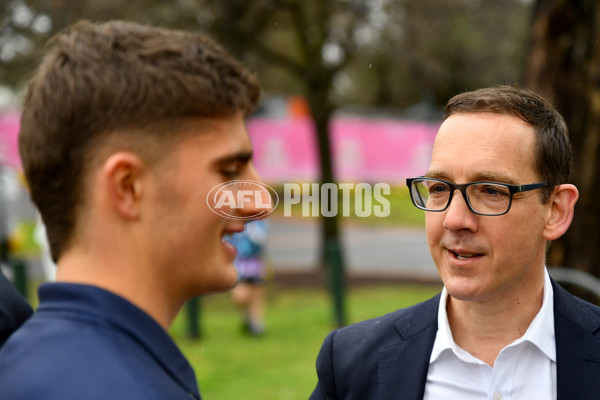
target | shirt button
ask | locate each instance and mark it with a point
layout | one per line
(497, 396)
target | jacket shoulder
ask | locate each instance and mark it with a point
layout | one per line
(387, 329)
(576, 311)
(353, 358)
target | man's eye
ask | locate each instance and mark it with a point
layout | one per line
(230, 173)
(491, 190)
(433, 189)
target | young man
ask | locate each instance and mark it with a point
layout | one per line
(125, 130)
(495, 194)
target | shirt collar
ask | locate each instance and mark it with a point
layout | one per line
(123, 315)
(540, 332)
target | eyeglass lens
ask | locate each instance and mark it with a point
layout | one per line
(485, 198)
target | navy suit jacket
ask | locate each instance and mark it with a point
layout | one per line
(388, 357)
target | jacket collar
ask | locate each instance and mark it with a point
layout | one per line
(402, 368)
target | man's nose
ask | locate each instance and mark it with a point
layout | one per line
(458, 214)
(259, 202)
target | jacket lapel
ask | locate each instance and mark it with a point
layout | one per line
(403, 365)
(577, 330)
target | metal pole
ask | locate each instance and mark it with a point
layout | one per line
(19, 275)
(193, 310)
(337, 280)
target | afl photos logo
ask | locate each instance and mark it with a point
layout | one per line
(228, 198)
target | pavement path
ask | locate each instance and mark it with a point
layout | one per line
(293, 246)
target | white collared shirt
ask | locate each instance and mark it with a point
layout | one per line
(524, 370)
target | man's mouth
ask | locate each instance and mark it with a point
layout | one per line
(464, 256)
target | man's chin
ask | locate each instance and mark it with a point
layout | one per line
(463, 289)
(223, 283)
(229, 280)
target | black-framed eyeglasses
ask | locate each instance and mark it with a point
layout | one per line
(482, 198)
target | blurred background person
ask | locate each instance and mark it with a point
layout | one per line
(252, 273)
(14, 308)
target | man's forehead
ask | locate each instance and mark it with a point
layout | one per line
(483, 147)
(473, 130)
(486, 122)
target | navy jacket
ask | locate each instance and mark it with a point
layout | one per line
(388, 357)
(86, 343)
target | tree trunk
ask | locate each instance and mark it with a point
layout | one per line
(564, 67)
(332, 250)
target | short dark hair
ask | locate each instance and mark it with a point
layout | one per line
(122, 80)
(553, 154)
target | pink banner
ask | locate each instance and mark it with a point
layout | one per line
(285, 149)
(364, 150)
(9, 132)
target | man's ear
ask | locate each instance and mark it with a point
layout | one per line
(122, 174)
(561, 212)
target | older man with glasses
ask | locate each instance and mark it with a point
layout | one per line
(496, 192)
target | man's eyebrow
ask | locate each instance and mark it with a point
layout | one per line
(432, 173)
(493, 177)
(242, 156)
(476, 177)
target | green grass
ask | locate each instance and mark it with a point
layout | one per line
(402, 211)
(279, 365)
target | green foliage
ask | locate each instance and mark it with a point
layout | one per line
(391, 54)
(23, 242)
(281, 364)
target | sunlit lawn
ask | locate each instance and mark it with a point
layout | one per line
(280, 365)
(401, 210)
